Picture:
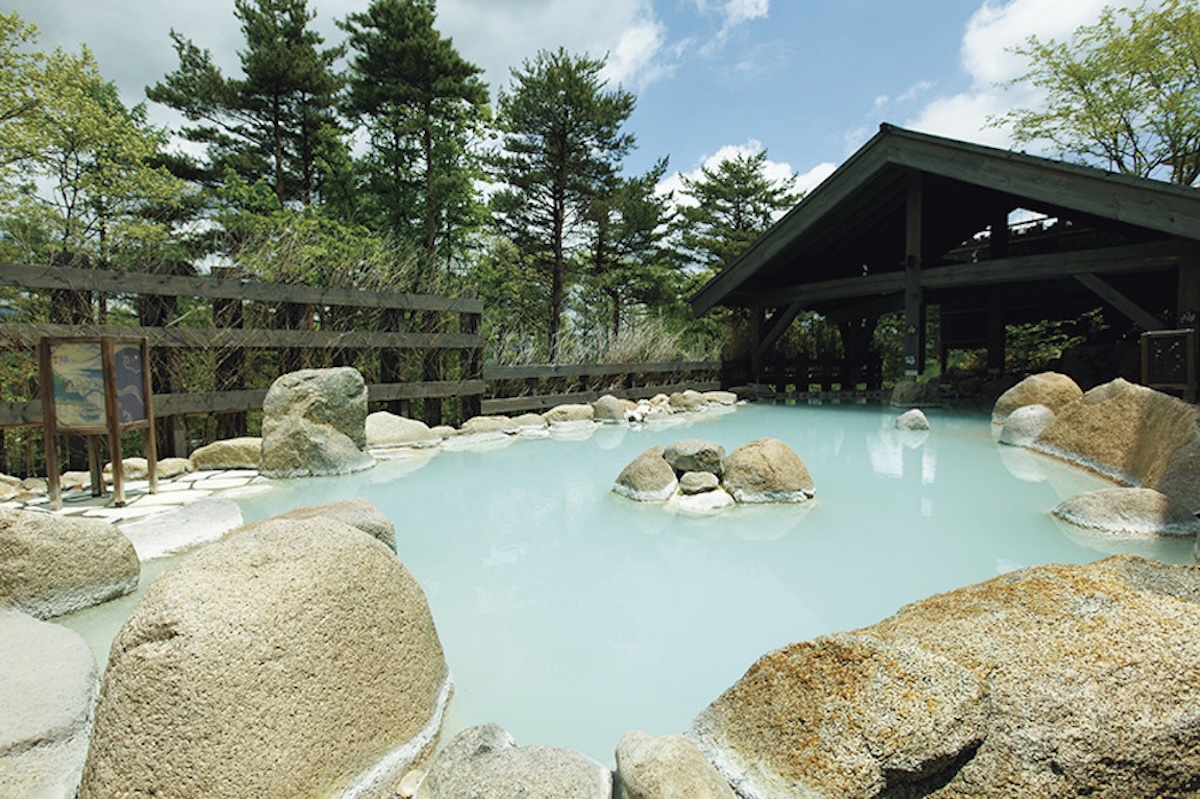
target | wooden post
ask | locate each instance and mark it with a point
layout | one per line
(230, 362)
(391, 320)
(472, 405)
(757, 322)
(914, 317)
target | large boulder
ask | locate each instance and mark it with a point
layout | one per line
(767, 470)
(489, 426)
(484, 762)
(694, 455)
(909, 393)
(1129, 512)
(667, 767)
(609, 409)
(231, 453)
(1051, 389)
(51, 565)
(843, 715)
(1079, 681)
(295, 659)
(384, 429)
(314, 423)
(358, 512)
(1128, 432)
(647, 478)
(569, 413)
(687, 400)
(1023, 426)
(48, 683)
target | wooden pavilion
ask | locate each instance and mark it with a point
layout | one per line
(913, 220)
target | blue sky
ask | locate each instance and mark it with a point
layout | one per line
(809, 80)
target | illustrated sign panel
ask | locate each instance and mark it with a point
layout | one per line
(78, 377)
(127, 365)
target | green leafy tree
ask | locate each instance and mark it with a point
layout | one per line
(421, 104)
(93, 175)
(562, 142)
(278, 119)
(1123, 93)
(728, 207)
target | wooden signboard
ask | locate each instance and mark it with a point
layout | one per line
(96, 387)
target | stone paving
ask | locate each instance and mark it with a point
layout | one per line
(173, 492)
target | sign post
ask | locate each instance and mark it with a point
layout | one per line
(96, 387)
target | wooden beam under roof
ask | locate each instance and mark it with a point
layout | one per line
(1131, 258)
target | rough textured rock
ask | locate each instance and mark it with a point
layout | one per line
(647, 478)
(484, 762)
(1092, 686)
(609, 409)
(698, 482)
(1025, 424)
(384, 429)
(1051, 389)
(314, 423)
(293, 660)
(913, 419)
(530, 421)
(767, 470)
(232, 453)
(1126, 431)
(721, 397)
(359, 513)
(48, 682)
(51, 565)
(173, 467)
(689, 400)
(668, 767)
(201, 522)
(131, 469)
(843, 715)
(1088, 680)
(489, 425)
(561, 414)
(909, 393)
(1128, 511)
(694, 455)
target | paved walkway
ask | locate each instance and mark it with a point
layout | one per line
(173, 492)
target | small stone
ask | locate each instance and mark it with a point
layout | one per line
(698, 482)
(912, 420)
(694, 455)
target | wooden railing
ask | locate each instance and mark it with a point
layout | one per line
(407, 341)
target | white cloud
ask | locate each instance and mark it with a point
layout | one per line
(773, 170)
(991, 33)
(636, 60)
(738, 11)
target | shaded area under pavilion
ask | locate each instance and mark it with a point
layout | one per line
(913, 220)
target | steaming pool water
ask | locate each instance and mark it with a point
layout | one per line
(570, 615)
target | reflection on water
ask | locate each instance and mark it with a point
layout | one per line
(570, 615)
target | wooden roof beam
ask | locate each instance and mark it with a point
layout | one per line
(1135, 312)
(1131, 258)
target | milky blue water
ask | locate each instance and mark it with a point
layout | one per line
(570, 615)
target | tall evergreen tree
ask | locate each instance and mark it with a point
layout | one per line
(731, 205)
(562, 142)
(421, 103)
(629, 262)
(276, 121)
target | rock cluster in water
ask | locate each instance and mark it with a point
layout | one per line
(1145, 440)
(697, 477)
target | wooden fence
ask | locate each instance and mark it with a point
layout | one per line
(413, 349)
(403, 343)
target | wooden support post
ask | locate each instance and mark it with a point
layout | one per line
(914, 321)
(230, 366)
(995, 334)
(472, 367)
(1187, 303)
(757, 323)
